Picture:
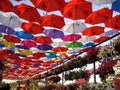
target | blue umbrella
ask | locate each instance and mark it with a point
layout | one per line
(24, 35)
(18, 54)
(2, 45)
(22, 47)
(88, 44)
(44, 47)
(116, 6)
(6, 29)
(52, 55)
(53, 33)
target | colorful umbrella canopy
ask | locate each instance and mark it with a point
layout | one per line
(59, 43)
(12, 38)
(53, 33)
(114, 22)
(43, 39)
(22, 47)
(71, 37)
(10, 20)
(87, 39)
(74, 27)
(98, 2)
(60, 49)
(74, 44)
(77, 9)
(27, 12)
(88, 44)
(32, 27)
(24, 35)
(100, 39)
(91, 31)
(48, 5)
(29, 43)
(38, 54)
(6, 6)
(99, 16)
(52, 20)
(44, 47)
(115, 6)
(6, 30)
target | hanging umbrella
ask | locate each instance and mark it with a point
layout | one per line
(100, 39)
(74, 27)
(74, 44)
(52, 55)
(114, 22)
(22, 47)
(24, 35)
(26, 52)
(71, 37)
(10, 20)
(43, 40)
(32, 27)
(27, 12)
(77, 9)
(52, 20)
(6, 30)
(7, 43)
(88, 44)
(49, 5)
(38, 54)
(115, 6)
(98, 2)
(29, 43)
(53, 33)
(44, 47)
(87, 39)
(60, 49)
(109, 33)
(58, 43)
(91, 31)
(99, 16)
(6, 6)
(12, 38)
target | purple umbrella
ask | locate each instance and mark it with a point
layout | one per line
(53, 33)
(44, 47)
(6, 29)
(22, 47)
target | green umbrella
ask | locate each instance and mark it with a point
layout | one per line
(74, 44)
(1, 35)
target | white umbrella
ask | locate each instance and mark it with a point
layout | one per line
(87, 39)
(74, 27)
(98, 2)
(59, 43)
(10, 20)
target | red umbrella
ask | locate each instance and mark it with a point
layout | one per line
(114, 22)
(43, 39)
(100, 39)
(60, 49)
(38, 54)
(52, 20)
(77, 9)
(32, 27)
(6, 6)
(99, 16)
(12, 38)
(71, 37)
(29, 43)
(91, 31)
(27, 12)
(49, 5)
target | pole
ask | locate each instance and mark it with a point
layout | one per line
(94, 67)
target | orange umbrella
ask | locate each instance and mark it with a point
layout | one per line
(91, 31)
(77, 9)
(12, 38)
(49, 5)
(32, 27)
(114, 22)
(60, 49)
(43, 39)
(99, 16)
(6, 6)
(100, 39)
(27, 12)
(52, 20)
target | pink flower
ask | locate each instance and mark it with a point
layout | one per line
(81, 81)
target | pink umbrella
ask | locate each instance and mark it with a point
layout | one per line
(71, 37)
(29, 43)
